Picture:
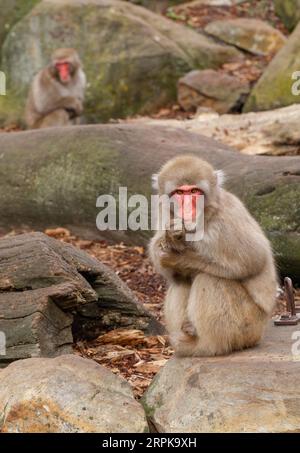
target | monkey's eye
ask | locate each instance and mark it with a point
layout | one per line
(196, 190)
(178, 192)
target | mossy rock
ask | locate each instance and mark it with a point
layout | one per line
(11, 12)
(132, 57)
(289, 12)
(274, 88)
(52, 177)
(253, 35)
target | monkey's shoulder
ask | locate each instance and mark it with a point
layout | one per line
(234, 220)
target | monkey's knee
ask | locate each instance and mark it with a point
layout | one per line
(55, 119)
(225, 316)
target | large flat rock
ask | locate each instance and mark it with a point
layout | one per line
(256, 390)
(67, 394)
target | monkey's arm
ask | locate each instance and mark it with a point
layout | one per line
(69, 103)
(48, 96)
(156, 252)
(235, 258)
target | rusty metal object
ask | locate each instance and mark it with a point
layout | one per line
(289, 318)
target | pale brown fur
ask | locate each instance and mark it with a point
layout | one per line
(54, 103)
(221, 288)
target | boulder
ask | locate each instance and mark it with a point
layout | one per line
(53, 177)
(289, 12)
(211, 89)
(67, 394)
(132, 56)
(255, 390)
(253, 35)
(275, 87)
(51, 291)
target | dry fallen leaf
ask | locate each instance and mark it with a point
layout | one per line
(58, 232)
(122, 337)
(150, 367)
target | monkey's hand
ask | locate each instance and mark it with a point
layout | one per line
(73, 106)
(175, 236)
(184, 263)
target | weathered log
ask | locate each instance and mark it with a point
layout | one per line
(53, 177)
(272, 132)
(33, 325)
(51, 292)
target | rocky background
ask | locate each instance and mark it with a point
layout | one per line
(86, 349)
(252, 45)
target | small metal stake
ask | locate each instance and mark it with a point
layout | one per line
(289, 318)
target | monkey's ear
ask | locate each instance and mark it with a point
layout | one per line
(154, 180)
(220, 176)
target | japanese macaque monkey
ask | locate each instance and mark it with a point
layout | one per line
(57, 92)
(222, 287)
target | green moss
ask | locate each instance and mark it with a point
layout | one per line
(288, 11)
(271, 208)
(11, 12)
(274, 88)
(287, 253)
(151, 408)
(12, 108)
(279, 215)
(74, 180)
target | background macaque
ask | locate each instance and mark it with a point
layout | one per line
(57, 92)
(222, 287)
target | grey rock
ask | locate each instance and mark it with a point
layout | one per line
(212, 89)
(254, 390)
(67, 394)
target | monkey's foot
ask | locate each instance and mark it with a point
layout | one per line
(188, 328)
(183, 344)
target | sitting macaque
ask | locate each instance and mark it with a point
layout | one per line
(57, 92)
(222, 287)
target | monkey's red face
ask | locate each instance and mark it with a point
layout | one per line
(64, 71)
(186, 199)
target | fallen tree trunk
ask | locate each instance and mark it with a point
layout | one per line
(271, 133)
(52, 293)
(53, 177)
